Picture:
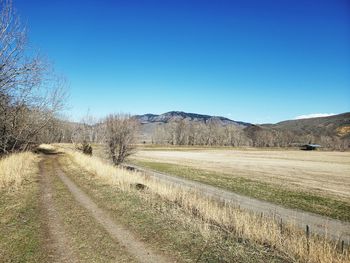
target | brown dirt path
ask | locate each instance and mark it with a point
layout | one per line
(118, 232)
(57, 241)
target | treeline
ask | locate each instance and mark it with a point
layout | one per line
(213, 133)
(31, 95)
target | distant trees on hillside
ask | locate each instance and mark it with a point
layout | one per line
(184, 132)
(30, 94)
(212, 133)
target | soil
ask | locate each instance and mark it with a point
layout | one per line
(58, 241)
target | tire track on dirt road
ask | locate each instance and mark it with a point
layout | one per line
(57, 240)
(118, 232)
(333, 228)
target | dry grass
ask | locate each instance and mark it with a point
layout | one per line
(15, 169)
(323, 173)
(243, 225)
(21, 236)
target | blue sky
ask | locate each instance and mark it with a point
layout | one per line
(256, 61)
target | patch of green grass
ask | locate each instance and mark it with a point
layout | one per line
(184, 148)
(165, 226)
(310, 202)
(21, 237)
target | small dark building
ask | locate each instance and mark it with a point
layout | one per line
(309, 147)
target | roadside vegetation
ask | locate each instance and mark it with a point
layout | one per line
(162, 223)
(20, 235)
(303, 200)
(217, 229)
(15, 170)
(31, 94)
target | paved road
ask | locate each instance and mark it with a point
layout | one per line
(334, 229)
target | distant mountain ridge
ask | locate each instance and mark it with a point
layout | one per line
(180, 115)
(332, 132)
(335, 125)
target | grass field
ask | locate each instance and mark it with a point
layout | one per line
(21, 238)
(175, 219)
(38, 209)
(167, 225)
(318, 182)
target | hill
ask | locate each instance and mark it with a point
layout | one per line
(180, 115)
(149, 122)
(332, 132)
(177, 127)
(336, 125)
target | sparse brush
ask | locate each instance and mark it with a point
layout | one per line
(15, 168)
(243, 225)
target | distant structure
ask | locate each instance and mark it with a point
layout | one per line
(310, 147)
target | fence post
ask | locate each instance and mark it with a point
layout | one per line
(307, 238)
(281, 226)
(342, 246)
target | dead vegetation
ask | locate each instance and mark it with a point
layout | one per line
(20, 229)
(31, 94)
(181, 129)
(294, 244)
(15, 169)
(322, 173)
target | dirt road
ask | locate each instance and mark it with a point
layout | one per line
(58, 240)
(333, 228)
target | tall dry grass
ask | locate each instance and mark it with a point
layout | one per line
(244, 225)
(15, 169)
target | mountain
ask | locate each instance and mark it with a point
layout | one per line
(149, 122)
(336, 125)
(332, 132)
(180, 115)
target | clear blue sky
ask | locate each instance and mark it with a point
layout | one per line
(257, 61)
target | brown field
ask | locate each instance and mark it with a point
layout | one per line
(326, 173)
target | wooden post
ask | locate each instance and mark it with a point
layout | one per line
(342, 246)
(281, 226)
(307, 239)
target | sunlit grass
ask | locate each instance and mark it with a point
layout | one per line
(241, 224)
(15, 169)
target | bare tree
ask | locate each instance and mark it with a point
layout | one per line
(121, 132)
(86, 133)
(30, 94)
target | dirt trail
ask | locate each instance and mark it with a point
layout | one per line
(123, 236)
(335, 229)
(57, 242)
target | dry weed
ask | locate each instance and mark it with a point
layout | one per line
(15, 169)
(225, 216)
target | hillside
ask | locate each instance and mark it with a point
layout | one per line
(336, 125)
(180, 115)
(149, 122)
(331, 132)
